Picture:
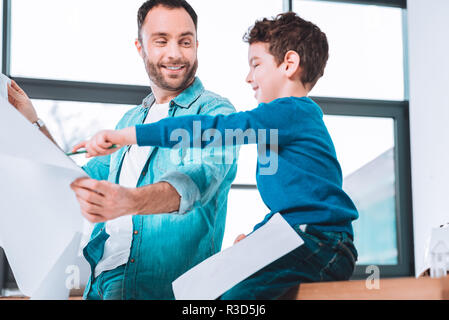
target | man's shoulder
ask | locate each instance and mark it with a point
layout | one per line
(212, 103)
(129, 116)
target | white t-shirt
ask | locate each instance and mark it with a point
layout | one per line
(117, 247)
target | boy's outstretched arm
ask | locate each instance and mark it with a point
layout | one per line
(240, 127)
(165, 133)
(100, 143)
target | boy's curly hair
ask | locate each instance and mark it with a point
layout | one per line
(287, 31)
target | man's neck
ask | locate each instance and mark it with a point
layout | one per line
(164, 96)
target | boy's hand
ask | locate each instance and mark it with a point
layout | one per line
(19, 99)
(240, 237)
(100, 143)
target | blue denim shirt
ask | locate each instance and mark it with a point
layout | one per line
(164, 246)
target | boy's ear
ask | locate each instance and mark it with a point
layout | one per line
(291, 63)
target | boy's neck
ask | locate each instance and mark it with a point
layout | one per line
(294, 89)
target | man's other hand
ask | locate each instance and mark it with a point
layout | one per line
(19, 99)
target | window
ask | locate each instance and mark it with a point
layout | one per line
(72, 122)
(365, 49)
(242, 215)
(81, 40)
(368, 165)
(372, 144)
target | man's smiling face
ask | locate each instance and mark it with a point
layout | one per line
(169, 48)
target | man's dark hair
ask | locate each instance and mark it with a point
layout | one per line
(172, 4)
(287, 31)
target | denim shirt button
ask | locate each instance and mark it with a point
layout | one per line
(132, 260)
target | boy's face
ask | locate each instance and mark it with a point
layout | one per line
(265, 76)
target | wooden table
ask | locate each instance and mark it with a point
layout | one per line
(389, 289)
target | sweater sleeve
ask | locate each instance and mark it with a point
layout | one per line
(267, 121)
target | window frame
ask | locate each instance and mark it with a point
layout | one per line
(133, 95)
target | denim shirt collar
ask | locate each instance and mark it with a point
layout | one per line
(183, 100)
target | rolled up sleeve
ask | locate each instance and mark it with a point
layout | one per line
(186, 188)
(204, 171)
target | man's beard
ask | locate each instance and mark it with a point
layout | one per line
(156, 76)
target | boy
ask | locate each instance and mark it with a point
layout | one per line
(287, 56)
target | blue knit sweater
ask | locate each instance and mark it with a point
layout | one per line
(298, 176)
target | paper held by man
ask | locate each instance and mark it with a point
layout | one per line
(40, 219)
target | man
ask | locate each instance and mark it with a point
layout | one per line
(139, 254)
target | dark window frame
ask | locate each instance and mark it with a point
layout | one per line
(133, 94)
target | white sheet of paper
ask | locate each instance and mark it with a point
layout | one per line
(4, 80)
(39, 214)
(214, 276)
(56, 285)
(21, 139)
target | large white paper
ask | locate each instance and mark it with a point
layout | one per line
(19, 138)
(214, 276)
(56, 284)
(4, 80)
(40, 218)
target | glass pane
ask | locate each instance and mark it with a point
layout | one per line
(247, 164)
(222, 54)
(72, 122)
(76, 40)
(245, 210)
(365, 49)
(368, 165)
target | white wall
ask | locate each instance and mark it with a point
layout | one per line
(428, 27)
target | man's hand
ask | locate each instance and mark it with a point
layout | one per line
(239, 238)
(101, 200)
(100, 144)
(19, 99)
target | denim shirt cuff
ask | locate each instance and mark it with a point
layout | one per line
(186, 188)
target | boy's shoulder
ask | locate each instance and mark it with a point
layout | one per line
(295, 106)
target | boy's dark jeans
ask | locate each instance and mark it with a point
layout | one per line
(324, 256)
